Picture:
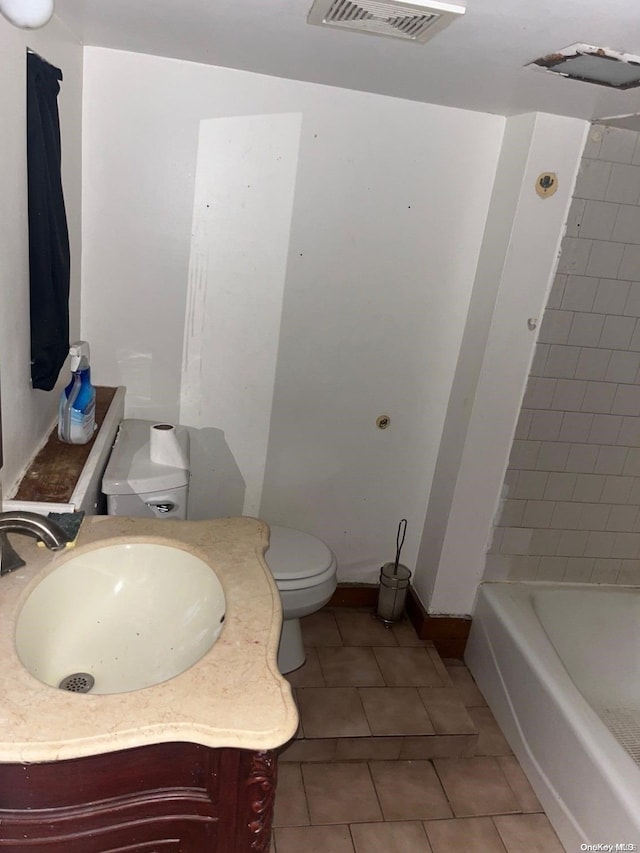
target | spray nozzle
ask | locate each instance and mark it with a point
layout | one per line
(79, 352)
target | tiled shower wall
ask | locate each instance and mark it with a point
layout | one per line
(571, 509)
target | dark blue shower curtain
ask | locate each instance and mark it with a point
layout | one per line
(49, 259)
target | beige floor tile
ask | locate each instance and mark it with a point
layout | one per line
(438, 746)
(395, 837)
(476, 786)
(363, 629)
(311, 749)
(320, 629)
(448, 715)
(309, 674)
(520, 785)
(440, 668)
(332, 712)
(291, 801)
(314, 839)
(466, 686)
(350, 666)
(366, 748)
(466, 835)
(409, 790)
(405, 634)
(395, 711)
(407, 666)
(340, 793)
(491, 741)
(528, 833)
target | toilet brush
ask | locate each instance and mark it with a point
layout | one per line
(394, 582)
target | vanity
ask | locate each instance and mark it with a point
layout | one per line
(185, 764)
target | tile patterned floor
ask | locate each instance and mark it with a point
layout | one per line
(397, 751)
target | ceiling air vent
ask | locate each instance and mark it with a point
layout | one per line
(417, 22)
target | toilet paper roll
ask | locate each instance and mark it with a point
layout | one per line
(167, 447)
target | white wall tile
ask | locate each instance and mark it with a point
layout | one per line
(624, 184)
(618, 144)
(599, 397)
(574, 219)
(634, 492)
(617, 332)
(553, 455)
(523, 568)
(545, 542)
(598, 220)
(579, 293)
(524, 422)
(616, 490)
(632, 462)
(593, 179)
(604, 259)
(555, 327)
(574, 257)
(530, 485)
(515, 540)
(551, 569)
(582, 458)
(576, 427)
(538, 514)
(545, 425)
(572, 543)
(627, 225)
(589, 488)
(623, 366)
(539, 359)
(557, 291)
(622, 518)
(560, 486)
(605, 571)
(634, 343)
(524, 455)
(497, 567)
(605, 429)
(636, 154)
(592, 363)
(629, 268)
(566, 515)
(594, 516)
(629, 432)
(632, 304)
(611, 296)
(626, 546)
(539, 393)
(561, 361)
(586, 329)
(599, 544)
(629, 573)
(512, 512)
(626, 400)
(611, 460)
(579, 569)
(569, 394)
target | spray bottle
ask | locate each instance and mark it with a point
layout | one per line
(77, 410)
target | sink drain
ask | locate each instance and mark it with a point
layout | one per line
(77, 682)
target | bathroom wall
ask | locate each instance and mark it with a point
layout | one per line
(327, 282)
(27, 415)
(571, 509)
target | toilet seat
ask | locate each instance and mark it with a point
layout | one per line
(298, 560)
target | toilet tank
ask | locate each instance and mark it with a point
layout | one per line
(137, 486)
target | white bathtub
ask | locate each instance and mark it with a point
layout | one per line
(552, 660)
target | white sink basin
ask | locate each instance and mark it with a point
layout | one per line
(125, 615)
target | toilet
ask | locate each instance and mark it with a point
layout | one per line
(303, 567)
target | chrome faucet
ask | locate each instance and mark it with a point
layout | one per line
(31, 524)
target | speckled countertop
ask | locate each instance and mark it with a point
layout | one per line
(233, 696)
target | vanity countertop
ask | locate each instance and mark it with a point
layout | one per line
(234, 696)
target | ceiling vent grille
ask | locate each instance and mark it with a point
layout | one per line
(417, 22)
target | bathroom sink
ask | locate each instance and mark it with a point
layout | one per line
(120, 617)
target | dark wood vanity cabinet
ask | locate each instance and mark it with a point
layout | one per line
(166, 798)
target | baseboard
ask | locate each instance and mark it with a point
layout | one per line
(448, 634)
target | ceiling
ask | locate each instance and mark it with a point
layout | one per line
(476, 63)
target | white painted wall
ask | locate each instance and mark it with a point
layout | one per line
(388, 211)
(27, 415)
(518, 261)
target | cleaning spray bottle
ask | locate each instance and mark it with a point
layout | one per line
(77, 410)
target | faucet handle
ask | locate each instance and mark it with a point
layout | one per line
(9, 560)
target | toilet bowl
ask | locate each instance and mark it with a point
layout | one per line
(303, 567)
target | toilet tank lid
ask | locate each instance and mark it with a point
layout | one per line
(130, 469)
(293, 554)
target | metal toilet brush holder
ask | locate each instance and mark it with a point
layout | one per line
(394, 583)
